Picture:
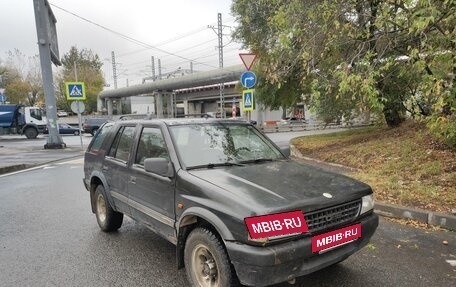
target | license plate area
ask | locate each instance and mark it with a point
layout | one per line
(327, 241)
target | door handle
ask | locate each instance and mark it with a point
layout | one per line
(133, 179)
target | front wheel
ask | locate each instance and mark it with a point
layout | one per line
(108, 219)
(206, 261)
(31, 133)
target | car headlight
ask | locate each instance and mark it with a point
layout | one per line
(368, 203)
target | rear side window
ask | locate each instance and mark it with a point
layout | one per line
(98, 140)
(122, 144)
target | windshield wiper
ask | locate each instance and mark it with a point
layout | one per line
(212, 165)
(257, 160)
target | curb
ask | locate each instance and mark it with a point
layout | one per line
(13, 168)
(19, 167)
(446, 221)
(428, 217)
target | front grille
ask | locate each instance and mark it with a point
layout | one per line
(333, 216)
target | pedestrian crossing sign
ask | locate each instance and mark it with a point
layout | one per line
(247, 100)
(75, 91)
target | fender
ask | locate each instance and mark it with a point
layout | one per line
(210, 217)
(205, 214)
(105, 185)
(35, 126)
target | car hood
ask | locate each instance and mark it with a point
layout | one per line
(282, 185)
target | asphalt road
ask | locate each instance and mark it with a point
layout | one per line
(49, 237)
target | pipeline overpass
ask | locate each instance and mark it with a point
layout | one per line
(169, 91)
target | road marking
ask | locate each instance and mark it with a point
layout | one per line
(49, 167)
(24, 170)
(43, 166)
(74, 161)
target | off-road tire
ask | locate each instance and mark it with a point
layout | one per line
(206, 261)
(108, 219)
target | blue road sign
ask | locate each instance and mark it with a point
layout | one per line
(247, 100)
(248, 79)
(75, 91)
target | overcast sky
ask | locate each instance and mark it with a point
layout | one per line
(178, 27)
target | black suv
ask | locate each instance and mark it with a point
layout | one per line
(237, 208)
(91, 125)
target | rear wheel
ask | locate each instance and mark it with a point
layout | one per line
(206, 261)
(31, 133)
(76, 133)
(108, 219)
(94, 131)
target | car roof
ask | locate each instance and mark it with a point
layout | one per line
(184, 121)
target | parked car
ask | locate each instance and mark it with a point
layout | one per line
(66, 129)
(235, 206)
(91, 125)
(61, 113)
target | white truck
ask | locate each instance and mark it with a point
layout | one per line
(17, 119)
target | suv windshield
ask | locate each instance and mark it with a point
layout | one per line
(219, 144)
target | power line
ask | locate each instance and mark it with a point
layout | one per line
(196, 31)
(125, 37)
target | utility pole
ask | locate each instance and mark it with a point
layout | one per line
(159, 69)
(191, 67)
(43, 13)
(75, 71)
(153, 67)
(220, 39)
(219, 33)
(114, 69)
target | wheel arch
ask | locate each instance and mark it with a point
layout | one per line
(196, 217)
(95, 180)
(30, 126)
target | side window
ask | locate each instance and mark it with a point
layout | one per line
(36, 114)
(121, 147)
(98, 140)
(151, 144)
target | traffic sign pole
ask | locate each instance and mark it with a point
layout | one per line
(78, 107)
(80, 125)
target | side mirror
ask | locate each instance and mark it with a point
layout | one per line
(286, 151)
(160, 166)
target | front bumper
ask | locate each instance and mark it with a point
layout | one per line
(262, 266)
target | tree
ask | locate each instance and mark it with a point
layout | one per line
(21, 78)
(88, 66)
(356, 55)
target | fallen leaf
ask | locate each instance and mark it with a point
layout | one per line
(451, 262)
(371, 246)
(445, 242)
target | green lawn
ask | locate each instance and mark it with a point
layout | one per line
(403, 165)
